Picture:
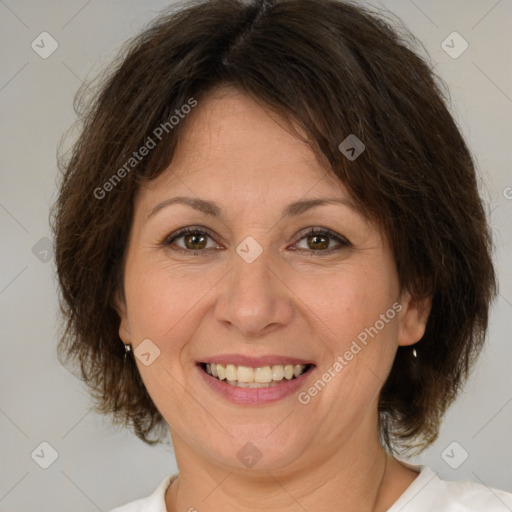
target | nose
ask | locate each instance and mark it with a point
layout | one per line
(255, 298)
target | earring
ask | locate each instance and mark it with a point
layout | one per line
(127, 348)
(414, 353)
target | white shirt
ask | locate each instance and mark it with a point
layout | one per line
(427, 493)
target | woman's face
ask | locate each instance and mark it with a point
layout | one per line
(254, 288)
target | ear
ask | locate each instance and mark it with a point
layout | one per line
(413, 319)
(124, 327)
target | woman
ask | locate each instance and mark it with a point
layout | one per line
(270, 241)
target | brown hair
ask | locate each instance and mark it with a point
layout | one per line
(334, 69)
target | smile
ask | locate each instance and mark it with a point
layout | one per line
(249, 377)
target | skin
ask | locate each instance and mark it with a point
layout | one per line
(321, 456)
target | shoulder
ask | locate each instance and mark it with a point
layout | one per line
(152, 503)
(429, 492)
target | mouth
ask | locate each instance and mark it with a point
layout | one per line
(255, 377)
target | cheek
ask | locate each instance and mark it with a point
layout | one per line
(347, 302)
(162, 302)
(357, 328)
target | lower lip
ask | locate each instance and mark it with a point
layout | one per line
(254, 396)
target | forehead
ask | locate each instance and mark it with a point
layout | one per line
(232, 142)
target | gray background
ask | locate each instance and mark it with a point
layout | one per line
(99, 467)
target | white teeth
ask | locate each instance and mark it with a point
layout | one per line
(277, 372)
(263, 374)
(245, 374)
(260, 385)
(288, 371)
(231, 372)
(297, 370)
(247, 377)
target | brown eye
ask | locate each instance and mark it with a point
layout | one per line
(190, 240)
(319, 240)
(195, 241)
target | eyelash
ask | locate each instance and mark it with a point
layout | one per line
(343, 242)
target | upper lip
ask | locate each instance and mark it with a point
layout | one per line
(254, 362)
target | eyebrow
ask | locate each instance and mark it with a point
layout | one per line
(213, 209)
